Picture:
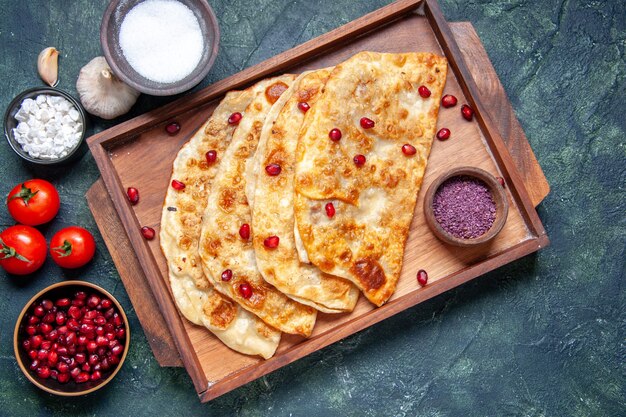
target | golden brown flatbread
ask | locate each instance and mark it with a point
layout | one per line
(180, 227)
(373, 197)
(228, 259)
(273, 205)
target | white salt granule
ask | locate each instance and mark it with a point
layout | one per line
(161, 40)
(48, 127)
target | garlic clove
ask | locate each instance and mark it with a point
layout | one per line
(101, 92)
(48, 66)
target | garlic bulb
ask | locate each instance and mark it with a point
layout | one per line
(48, 66)
(101, 92)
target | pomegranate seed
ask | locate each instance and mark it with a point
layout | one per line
(245, 290)
(422, 277)
(92, 346)
(448, 101)
(34, 365)
(52, 335)
(63, 367)
(104, 364)
(45, 328)
(100, 331)
(60, 318)
(63, 378)
(100, 321)
(335, 135)
(102, 341)
(82, 340)
(177, 185)
(330, 210)
(304, 106)
(113, 360)
(110, 336)
(501, 181)
(62, 351)
(36, 341)
(106, 303)
(172, 128)
(133, 195)
(120, 333)
(359, 160)
(43, 372)
(234, 118)
(74, 313)
(271, 242)
(86, 367)
(63, 302)
(47, 304)
(443, 134)
(273, 169)
(46, 344)
(423, 91)
(408, 149)
(38, 311)
(467, 112)
(80, 358)
(32, 353)
(31, 330)
(95, 376)
(33, 320)
(62, 329)
(148, 232)
(367, 123)
(42, 354)
(26, 344)
(93, 359)
(49, 318)
(80, 295)
(109, 313)
(53, 358)
(82, 377)
(118, 349)
(211, 157)
(75, 372)
(244, 231)
(227, 274)
(92, 302)
(117, 320)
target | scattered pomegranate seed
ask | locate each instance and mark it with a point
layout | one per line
(273, 169)
(133, 195)
(211, 157)
(367, 123)
(304, 106)
(177, 185)
(227, 275)
(448, 101)
(422, 277)
(271, 242)
(501, 181)
(245, 290)
(330, 210)
(467, 112)
(244, 231)
(172, 128)
(408, 149)
(234, 118)
(359, 160)
(423, 91)
(335, 135)
(148, 232)
(443, 134)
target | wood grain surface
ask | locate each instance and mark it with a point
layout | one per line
(140, 154)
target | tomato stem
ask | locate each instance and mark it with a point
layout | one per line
(25, 194)
(65, 250)
(10, 252)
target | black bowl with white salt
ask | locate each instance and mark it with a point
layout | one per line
(466, 206)
(46, 126)
(160, 47)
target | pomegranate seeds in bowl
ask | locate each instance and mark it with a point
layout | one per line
(70, 338)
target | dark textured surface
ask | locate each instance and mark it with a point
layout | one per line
(542, 336)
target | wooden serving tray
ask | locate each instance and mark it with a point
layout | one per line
(139, 153)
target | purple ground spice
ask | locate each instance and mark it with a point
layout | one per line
(464, 207)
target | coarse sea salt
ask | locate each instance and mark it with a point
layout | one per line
(49, 127)
(161, 40)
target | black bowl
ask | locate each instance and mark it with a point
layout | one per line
(10, 123)
(109, 39)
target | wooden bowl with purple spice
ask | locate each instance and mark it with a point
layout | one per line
(466, 206)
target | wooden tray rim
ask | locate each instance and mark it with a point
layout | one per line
(100, 143)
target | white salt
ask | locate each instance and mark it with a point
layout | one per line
(161, 40)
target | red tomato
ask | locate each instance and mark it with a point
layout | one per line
(34, 202)
(22, 249)
(72, 247)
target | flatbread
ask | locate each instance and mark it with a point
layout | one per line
(221, 246)
(364, 241)
(273, 205)
(180, 227)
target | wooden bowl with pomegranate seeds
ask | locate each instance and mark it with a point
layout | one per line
(71, 338)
